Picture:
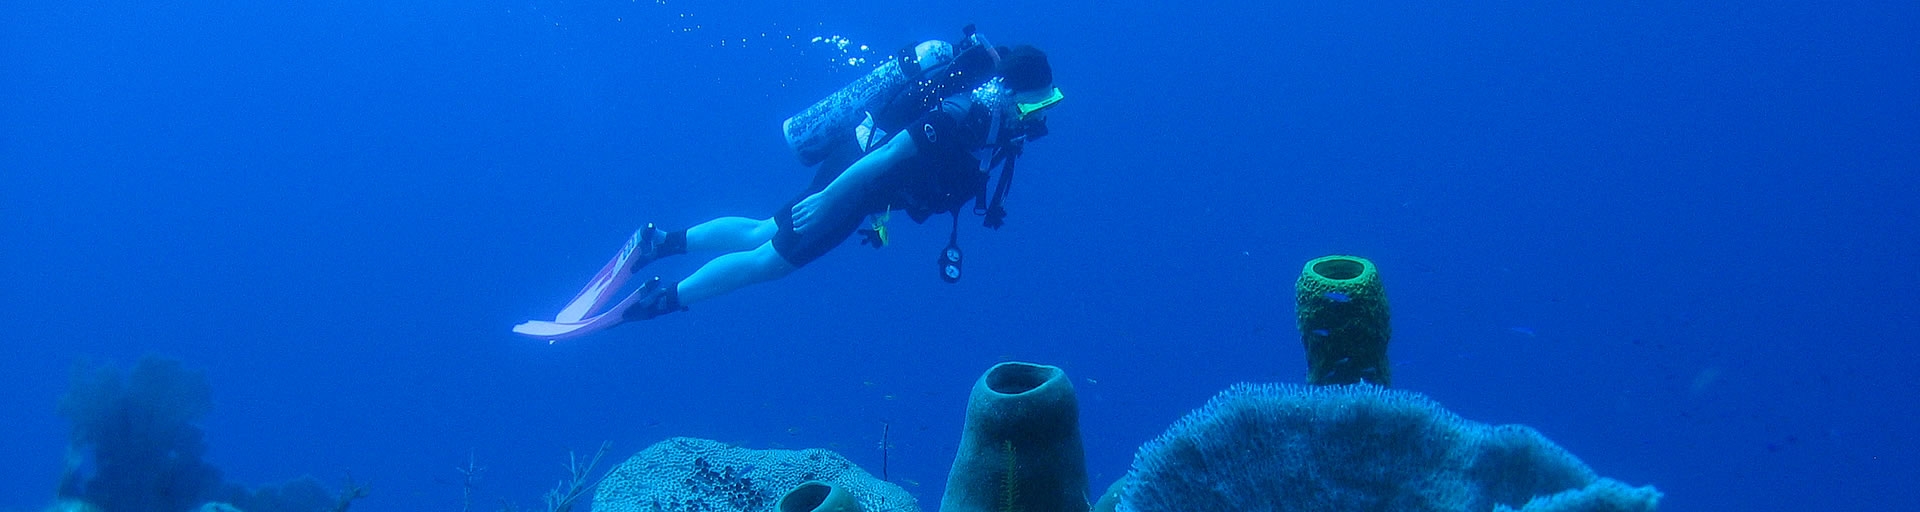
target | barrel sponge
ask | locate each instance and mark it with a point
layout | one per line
(688, 474)
(1344, 321)
(1352, 447)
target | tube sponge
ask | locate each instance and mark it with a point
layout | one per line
(1020, 448)
(685, 473)
(1356, 447)
(1343, 321)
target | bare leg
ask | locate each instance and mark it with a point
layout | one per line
(730, 234)
(733, 271)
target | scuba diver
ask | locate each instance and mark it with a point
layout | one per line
(922, 134)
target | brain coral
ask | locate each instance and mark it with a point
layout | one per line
(1357, 447)
(685, 474)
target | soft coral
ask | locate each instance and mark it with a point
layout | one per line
(139, 432)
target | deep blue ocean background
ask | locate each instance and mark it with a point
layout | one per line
(1677, 238)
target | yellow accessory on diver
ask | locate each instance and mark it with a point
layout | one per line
(876, 232)
(1027, 108)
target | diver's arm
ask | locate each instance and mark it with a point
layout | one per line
(868, 170)
(855, 181)
(954, 110)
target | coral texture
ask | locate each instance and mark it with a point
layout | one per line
(1356, 447)
(685, 474)
(139, 432)
(1602, 496)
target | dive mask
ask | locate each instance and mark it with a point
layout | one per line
(1047, 101)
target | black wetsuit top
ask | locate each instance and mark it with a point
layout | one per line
(941, 177)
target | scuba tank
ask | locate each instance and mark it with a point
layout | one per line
(923, 71)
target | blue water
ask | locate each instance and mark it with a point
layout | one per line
(1678, 239)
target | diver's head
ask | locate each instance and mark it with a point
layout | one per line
(1024, 70)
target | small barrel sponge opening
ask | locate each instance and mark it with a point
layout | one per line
(806, 497)
(816, 496)
(1018, 378)
(1340, 268)
(1347, 447)
(685, 473)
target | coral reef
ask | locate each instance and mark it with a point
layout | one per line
(1357, 447)
(567, 492)
(304, 494)
(1602, 496)
(70, 505)
(815, 496)
(135, 447)
(138, 432)
(685, 474)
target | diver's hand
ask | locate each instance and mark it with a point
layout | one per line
(814, 208)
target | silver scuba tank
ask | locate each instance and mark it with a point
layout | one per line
(813, 132)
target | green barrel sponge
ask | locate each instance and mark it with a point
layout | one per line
(1343, 321)
(1020, 450)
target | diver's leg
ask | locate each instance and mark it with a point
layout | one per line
(729, 234)
(725, 234)
(650, 243)
(734, 271)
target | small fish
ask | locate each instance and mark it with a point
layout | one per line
(1523, 331)
(1320, 332)
(1338, 297)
